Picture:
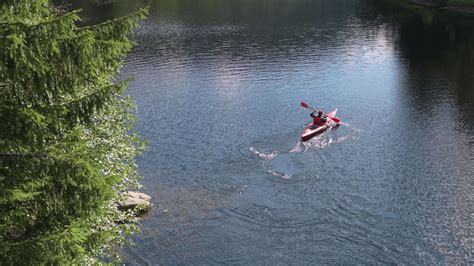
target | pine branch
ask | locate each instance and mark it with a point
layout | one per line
(72, 15)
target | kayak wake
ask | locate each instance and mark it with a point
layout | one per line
(265, 156)
(279, 159)
(321, 141)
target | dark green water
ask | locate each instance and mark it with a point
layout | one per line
(218, 85)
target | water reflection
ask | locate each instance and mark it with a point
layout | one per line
(439, 96)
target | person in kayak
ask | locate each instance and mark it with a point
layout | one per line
(318, 119)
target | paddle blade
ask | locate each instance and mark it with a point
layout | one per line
(305, 105)
(335, 119)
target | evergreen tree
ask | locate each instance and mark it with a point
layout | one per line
(67, 144)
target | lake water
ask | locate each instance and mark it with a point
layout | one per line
(218, 85)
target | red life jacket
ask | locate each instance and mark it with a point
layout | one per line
(317, 120)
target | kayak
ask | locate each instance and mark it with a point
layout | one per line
(312, 130)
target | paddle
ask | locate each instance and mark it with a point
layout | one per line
(305, 105)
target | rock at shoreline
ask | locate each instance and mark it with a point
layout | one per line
(136, 201)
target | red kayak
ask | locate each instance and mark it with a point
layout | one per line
(312, 130)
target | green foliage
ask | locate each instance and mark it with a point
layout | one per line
(460, 2)
(67, 144)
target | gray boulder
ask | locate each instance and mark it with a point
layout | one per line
(136, 201)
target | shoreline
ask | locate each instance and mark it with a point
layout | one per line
(460, 9)
(465, 8)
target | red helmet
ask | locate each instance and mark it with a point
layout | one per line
(320, 112)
